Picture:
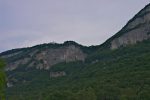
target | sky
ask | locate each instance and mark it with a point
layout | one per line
(24, 23)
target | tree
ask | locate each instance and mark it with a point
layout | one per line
(86, 94)
(2, 80)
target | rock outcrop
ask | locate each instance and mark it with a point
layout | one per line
(57, 74)
(136, 30)
(44, 57)
(50, 57)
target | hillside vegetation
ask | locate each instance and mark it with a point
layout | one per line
(122, 74)
(2, 81)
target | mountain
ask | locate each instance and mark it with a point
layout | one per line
(119, 69)
(44, 56)
(136, 30)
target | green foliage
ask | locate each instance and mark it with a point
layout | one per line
(2, 80)
(86, 94)
(121, 74)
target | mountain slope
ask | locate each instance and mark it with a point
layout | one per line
(44, 56)
(119, 69)
(115, 77)
(136, 30)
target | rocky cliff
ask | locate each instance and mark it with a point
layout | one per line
(46, 55)
(43, 56)
(136, 30)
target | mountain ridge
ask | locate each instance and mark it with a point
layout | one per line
(137, 27)
(118, 69)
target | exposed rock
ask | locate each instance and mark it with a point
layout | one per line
(57, 74)
(13, 65)
(44, 57)
(50, 57)
(131, 37)
(136, 30)
(9, 84)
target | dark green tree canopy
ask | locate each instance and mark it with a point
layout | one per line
(2, 80)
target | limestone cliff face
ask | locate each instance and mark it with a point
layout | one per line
(44, 57)
(50, 57)
(136, 30)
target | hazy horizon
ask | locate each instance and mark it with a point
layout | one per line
(88, 22)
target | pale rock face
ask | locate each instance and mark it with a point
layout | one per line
(14, 65)
(51, 57)
(131, 37)
(47, 58)
(57, 74)
(135, 31)
(9, 85)
(138, 21)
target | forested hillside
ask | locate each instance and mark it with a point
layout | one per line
(121, 74)
(2, 81)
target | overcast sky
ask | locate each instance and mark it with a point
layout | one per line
(89, 22)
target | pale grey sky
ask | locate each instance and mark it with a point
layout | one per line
(88, 22)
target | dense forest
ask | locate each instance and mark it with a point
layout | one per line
(2, 80)
(121, 74)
